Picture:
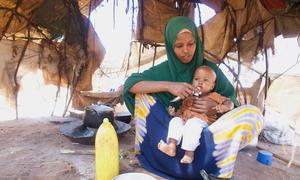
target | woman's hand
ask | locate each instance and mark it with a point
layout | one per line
(204, 105)
(181, 89)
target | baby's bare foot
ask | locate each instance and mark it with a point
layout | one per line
(168, 149)
(187, 159)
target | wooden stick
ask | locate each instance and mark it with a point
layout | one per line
(80, 152)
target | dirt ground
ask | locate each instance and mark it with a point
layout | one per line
(35, 149)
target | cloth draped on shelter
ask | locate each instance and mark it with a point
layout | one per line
(63, 35)
(243, 25)
(53, 36)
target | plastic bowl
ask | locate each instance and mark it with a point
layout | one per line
(264, 157)
(134, 176)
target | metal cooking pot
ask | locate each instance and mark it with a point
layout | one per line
(94, 115)
(123, 116)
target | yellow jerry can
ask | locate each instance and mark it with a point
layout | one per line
(106, 152)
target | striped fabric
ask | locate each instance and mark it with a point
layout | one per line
(141, 110)
(232, 132)
(219, 143)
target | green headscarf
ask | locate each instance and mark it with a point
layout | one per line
(173, 69)
(179, 71)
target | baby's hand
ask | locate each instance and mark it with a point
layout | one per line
(221, 108)
(171, 110)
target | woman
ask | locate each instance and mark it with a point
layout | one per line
(147, 96)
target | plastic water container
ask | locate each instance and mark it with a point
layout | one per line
(106, 152)
(265, 157)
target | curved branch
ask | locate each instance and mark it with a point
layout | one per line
(13, 12)
(17, 86)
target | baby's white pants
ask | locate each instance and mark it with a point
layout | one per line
(190, 132)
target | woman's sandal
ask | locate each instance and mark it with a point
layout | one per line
(206, 176)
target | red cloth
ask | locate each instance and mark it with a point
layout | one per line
(273, 4)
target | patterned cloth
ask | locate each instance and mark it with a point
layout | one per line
(219, 143)
(186, 113)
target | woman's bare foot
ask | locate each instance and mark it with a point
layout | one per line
(188, 157)
(169, 149)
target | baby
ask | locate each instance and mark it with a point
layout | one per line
(187, 124)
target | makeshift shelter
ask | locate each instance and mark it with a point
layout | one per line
(57, 38)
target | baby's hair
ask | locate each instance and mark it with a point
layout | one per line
(204, 67)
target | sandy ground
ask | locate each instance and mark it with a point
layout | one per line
(35, 149)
